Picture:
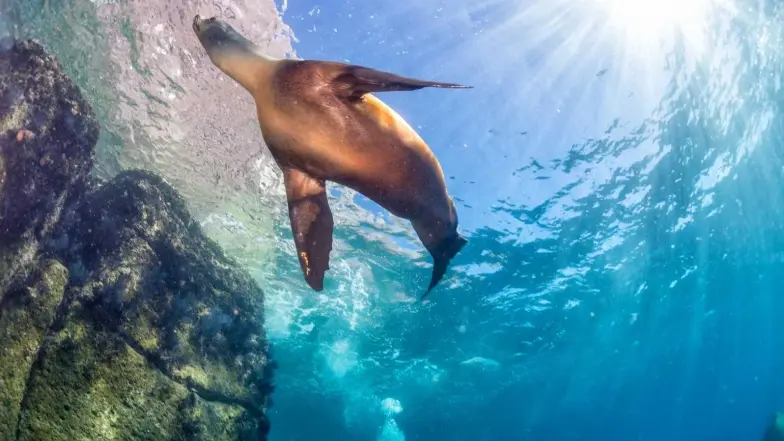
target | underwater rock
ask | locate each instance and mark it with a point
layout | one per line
(119, 318)
(25, 316)
(47, 139)
(775, 430)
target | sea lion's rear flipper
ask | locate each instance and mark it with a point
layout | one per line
(311, 224)
(353, 81)
(442, 255)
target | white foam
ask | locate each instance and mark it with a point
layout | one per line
(391, 406)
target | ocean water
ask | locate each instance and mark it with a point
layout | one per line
(618, 170)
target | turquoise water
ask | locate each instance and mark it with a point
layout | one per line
(619, 177)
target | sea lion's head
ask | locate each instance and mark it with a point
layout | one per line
(232, 53)
(220, 39)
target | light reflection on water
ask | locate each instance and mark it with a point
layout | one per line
(164, 107)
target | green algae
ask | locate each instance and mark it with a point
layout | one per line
(15, 120)
(90, 385)
(25, 315)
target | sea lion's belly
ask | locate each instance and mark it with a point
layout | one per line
(394, 177)
(366, 147)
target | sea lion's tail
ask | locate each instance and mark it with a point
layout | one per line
(442, 255)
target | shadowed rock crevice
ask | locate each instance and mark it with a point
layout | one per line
(199, 390)
(119, 319)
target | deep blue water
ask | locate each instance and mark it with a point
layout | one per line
(622, 189)
(625, 262)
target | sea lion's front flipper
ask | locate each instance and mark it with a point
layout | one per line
(353, 81)
(311, 224)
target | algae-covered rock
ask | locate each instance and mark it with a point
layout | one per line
(26, 313)
(91, 384)
(153, 276)
(119, 319)
(47, 139)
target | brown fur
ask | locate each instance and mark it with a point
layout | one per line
(321, 124)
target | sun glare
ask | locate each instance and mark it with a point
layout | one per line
(651, 20)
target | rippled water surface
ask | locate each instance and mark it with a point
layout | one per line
(617, 170)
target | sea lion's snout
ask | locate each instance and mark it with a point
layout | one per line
(199, 23)
(228, 50)
(217, 35)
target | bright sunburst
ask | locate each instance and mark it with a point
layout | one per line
(648, 21)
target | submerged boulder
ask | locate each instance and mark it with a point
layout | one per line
(119, 319)
(47, 140)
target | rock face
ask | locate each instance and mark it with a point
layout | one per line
(47, 136)
(119, 319)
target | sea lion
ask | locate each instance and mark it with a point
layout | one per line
(321, 123)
